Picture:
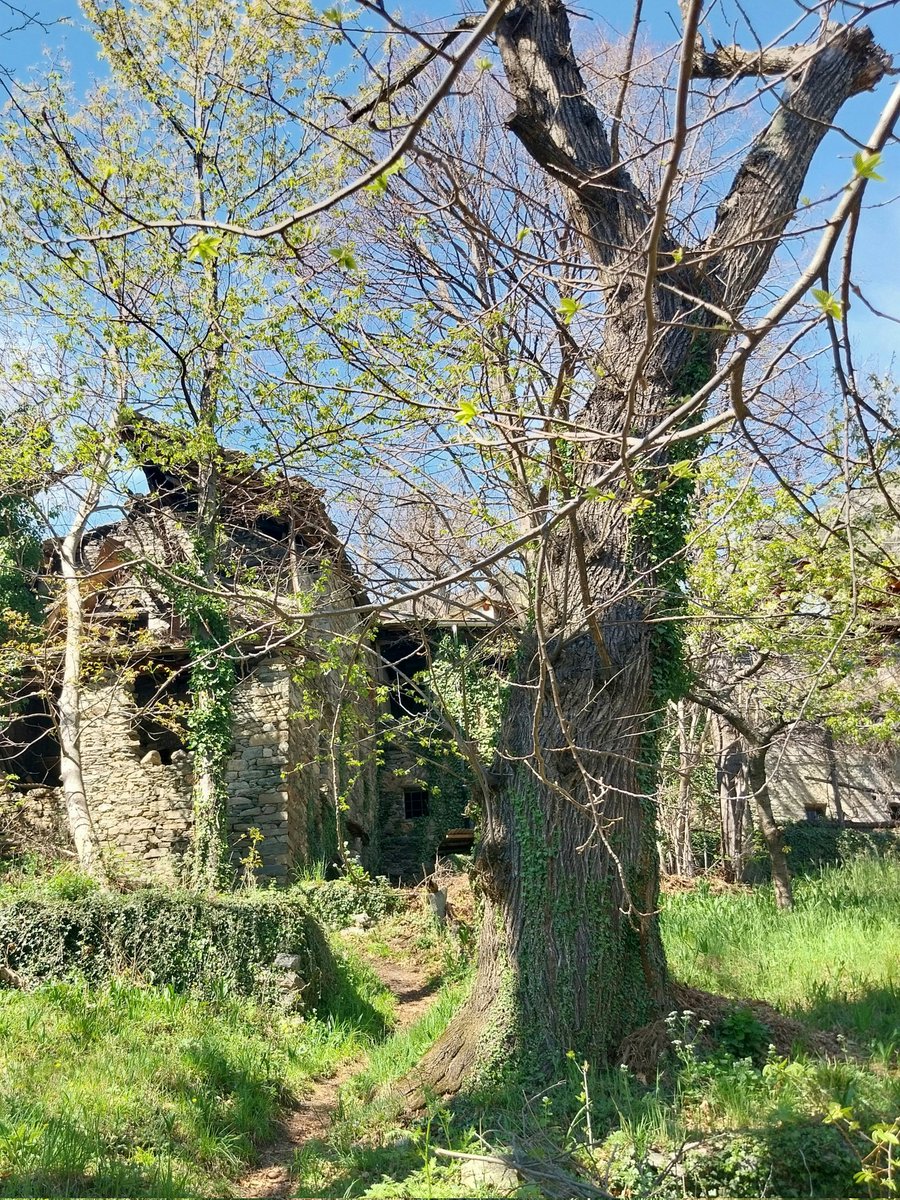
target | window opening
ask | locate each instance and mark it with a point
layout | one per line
(29, 744)
(814, 813)
(163, 698)
(403, 658)
(415, 803)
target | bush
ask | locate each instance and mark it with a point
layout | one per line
(813, 845)
(804, 1159)
(334, 902)
(191, 943)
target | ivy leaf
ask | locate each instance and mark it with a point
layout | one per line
(344, 257)
(466, 413)
(568, 307)
(864, 164)
(204, 247)
(828, 303)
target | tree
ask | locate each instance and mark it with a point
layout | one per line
(583, 470)
(570, 956)
(789, 583)
(211, 339)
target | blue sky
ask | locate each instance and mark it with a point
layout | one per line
(878, 245)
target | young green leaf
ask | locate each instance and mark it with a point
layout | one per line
(204, 247)
(865, 163)
(344, 257)
(379, 186)
(568, 307)
(466, 412)
(828, 303)
(677, 255)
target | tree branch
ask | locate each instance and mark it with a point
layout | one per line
(752, 218)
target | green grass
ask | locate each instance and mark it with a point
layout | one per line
(133, 1091)
(833, 962)
(128, 1091)
(735, 1119)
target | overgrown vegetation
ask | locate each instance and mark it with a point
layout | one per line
(731, 1109)
(69, 928)
(832, 963)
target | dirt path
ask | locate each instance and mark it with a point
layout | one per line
(310, 1118)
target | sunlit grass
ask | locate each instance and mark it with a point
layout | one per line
(833, 962)
(126, 1091)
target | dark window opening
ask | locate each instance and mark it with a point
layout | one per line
(403, 659)
(415, 803)
(29, 745)
(894, 810)
(163, 698)
(814, 813)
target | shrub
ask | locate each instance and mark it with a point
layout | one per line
(812, 845)
(803, 1159)
(191, 943)
(334, 902)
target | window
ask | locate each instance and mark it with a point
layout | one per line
(415, 803)
(814, 813)
(29, 746)
(162, 698)
(894, 810)
(403, 658)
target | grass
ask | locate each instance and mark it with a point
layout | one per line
(833, 962)
(132, 1091)
(725, 1115)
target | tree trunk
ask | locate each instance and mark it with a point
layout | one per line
(759, 785)
(81, 825)
(734, 811)
(834, 775)
(570, 956)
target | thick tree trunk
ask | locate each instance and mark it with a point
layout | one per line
(570, 956)
(759, 785)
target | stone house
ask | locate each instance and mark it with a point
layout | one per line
(296, 773)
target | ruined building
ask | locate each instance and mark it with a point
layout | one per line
(320, 694)
(301, 772)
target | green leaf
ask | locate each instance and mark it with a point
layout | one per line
(864, 164)
(344, 257)
(568, 307)
(484, 64)
(333, 16)
(678, 255)
(522, 234)
(466, 412)
(379, 186)
(828, 303)
(204, 247)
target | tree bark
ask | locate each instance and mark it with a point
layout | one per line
(759, 785)
(570, 955)
(78, 813)
(734, 811)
